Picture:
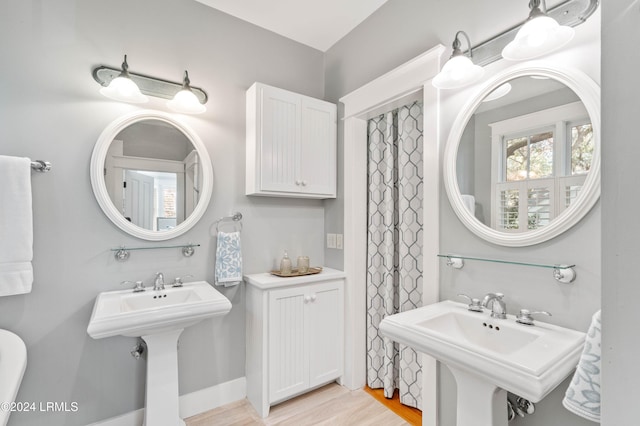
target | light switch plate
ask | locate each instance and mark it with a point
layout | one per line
(339, 243)
(331, 241)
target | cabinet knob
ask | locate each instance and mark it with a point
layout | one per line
(298, 182)
(307, 299)
(304, 183)
(313, 297)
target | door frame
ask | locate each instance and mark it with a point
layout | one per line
(383, 94)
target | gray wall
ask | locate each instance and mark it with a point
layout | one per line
(154, 141)
(620, 249)
(399, 31)
(50, 109)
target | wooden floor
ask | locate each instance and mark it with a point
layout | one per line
(330, 405)
(412, 415)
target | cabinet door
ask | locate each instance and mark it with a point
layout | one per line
(325, 329)
(288, 350)
(279, 144)
(318, 147)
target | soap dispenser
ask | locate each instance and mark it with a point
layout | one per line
(285, 264)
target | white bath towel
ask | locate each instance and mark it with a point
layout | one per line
(16, 226)
(583, 395)
(469, 202)
(228, 259)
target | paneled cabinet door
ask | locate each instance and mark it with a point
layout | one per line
(291, 144)
(318, 148)
(305, 338)
(325, 319)
(288, 351)
(280, 140)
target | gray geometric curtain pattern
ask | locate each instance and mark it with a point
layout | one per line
(394, 246)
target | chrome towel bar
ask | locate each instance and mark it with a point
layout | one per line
(41, 166)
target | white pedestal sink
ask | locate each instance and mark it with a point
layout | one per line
(158, 317)
(488, 356)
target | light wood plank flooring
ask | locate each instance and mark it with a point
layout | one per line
(330, 405)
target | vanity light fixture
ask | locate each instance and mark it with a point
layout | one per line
(107, 76)
(459, 71)
(123, 88)
(539, 35)
(185, 101)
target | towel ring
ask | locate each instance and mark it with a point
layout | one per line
(235, 219)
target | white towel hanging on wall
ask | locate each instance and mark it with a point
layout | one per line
(16, 226)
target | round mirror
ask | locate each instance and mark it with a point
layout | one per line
(522, 163)
(151, 175)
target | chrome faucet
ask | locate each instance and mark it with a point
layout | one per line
(498, 307)
(158, 284)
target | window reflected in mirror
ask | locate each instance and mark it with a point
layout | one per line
(525, 156)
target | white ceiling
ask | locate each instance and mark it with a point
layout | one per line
(316, 23)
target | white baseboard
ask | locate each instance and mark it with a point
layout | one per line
(190, 404)
(209, 398)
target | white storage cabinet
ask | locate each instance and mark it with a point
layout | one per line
(291, 144)
(294, 335)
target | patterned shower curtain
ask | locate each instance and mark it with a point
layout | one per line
(394, 252)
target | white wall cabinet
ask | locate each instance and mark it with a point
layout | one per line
(291, 144)
(294, 335)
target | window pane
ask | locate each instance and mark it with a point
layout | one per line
(541, 163)
(581, 148)
(509, 203)
(571, 193)
(517, 158)
(169, 201)
(538, 207)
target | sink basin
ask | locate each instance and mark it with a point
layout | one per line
(158, 317)
(475, 330)
(126, 313)
(488, 355)
(13, 362)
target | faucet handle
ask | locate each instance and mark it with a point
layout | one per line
(524, 317)
(474, 304)
(177, 281)
(139, 285)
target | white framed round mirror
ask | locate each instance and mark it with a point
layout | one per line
(522, 162)
(151, 175)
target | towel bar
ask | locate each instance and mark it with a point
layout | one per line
(122, 253)
(41, 166)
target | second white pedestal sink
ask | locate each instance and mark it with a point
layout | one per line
(488, 356)
(158, 317)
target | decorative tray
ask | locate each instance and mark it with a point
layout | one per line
(295, 273)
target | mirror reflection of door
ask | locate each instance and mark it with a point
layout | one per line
(192, 182)
(150, 199)
(138, 191)
(152, 174)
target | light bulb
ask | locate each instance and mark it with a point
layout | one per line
(185, 101)
(459, 71)
(537, 37)
(124, 89)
